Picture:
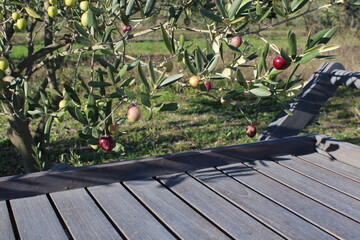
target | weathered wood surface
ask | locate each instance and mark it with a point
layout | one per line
(338, 150)
(322, 175)
(6, 230)
(182, 219)
(36, 219)
(134, 221)
(271, 214)
(47, 182)
(232, 219)
(309, 195)
(309, 187)
(326, 218)
(333, 165)
(82, 216)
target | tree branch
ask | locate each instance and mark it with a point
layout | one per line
(42, 53)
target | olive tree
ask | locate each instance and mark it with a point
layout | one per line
(118, 79)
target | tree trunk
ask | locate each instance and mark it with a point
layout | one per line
(20, 136)
(50, 82)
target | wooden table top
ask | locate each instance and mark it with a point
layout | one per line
(304, 196)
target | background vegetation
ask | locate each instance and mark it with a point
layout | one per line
(201, 122)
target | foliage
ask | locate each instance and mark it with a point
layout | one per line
(117, 79)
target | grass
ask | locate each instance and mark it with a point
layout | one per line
(200, 123)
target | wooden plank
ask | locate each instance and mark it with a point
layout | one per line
(126, 212)
(313, 189)
(339, 150)
(332, 165)
(82, 216)
(326, 218)
(322, 175)
(36, 219)
(6, 230)
(47, 182)
(271, 214)
(231, 218)
(184, 221)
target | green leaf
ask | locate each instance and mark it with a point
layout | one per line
(97, 84)
(259, 10)
(36, 112)
(118, 45)
(189, 64)
(286, 5)
(260, 92)
(84, 41)
(298, 4)
(285, 56)
(96, 11)
(241, 79)
(134, 63)
(313, 40)
(32, 13)
(292, 44)
(309, 56)
(91, 19)
(238, 6)
(81, 30)
(123, 71)
(126, 82)
(143, 78)
(151, 72)
(76, 113)
(72, 94)
(53, 92)
(166, 39)
(221, 8)
(278, 10)
(262, 59)
(212, 64)
(266, 14)
(148, 115)
(234, 8)
(236, 21)
(181, 41)
(234, 49)
(92, 112)
(124, 18)
(145, 99)
(169, 80)
(241, 26)
(47, 130)
(105, 64)
(162, 107)
(198, 62)
(111, 75)
(107, 34)
(129, 7)
(149, 6)
(18, 3)
(212, 16)
(328, 35)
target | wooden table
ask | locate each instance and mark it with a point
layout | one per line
(307, 187)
